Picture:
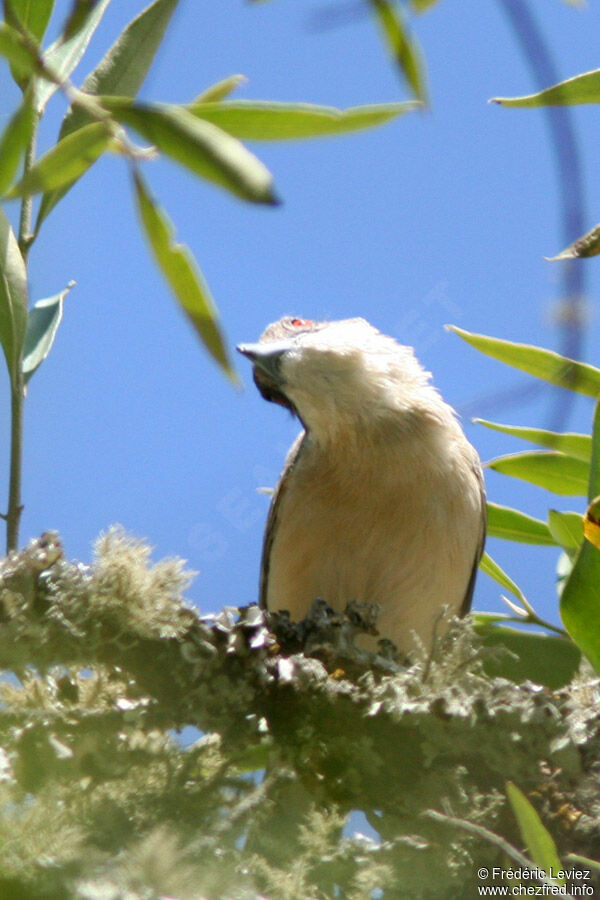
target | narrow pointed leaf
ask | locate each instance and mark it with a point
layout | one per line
(121, 72)
(64, 55)
(579, 445)
(583, 88)
(513, 525)
(588, 245)
(491, 568)
(542, 658)
(13, 297)
(42, 325)
(557, 472)
(580, 598)
(199, 146)
(65, 162)
(402, 46)
(21, 56)
(421, 5)
(536, 838)
(34, 15)
(221, 89)
(13, 142)
(545, 364)
(182, 275)
(566, 528)
(270, 121)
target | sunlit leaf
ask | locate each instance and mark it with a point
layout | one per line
(13, 298)
(34, 15)
(537, 839)
(583, 88)
(579, 445)
(199, 146)
(65, 162)
(14, 141)
(566, 528)
(42, 324)
(557, 472)
(273, 121)
(218, 91)
(542, 658)
(120, 72)
(491, 568)
(545, 364)
(580, 598)
(21, 56)
(182, 275)
(402, 45)
(64, 55)
(591, 523)
(512, 525)
(588, 245)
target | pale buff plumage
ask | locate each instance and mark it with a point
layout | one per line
(381, 498)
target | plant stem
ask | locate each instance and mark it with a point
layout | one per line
(17, 381)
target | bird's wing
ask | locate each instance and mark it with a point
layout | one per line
(466, 604)
(274, 509)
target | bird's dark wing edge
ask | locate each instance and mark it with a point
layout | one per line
(271, 528)
(466, 604)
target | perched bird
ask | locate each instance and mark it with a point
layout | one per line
(381, 498)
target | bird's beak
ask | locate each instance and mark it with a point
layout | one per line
(266, 357)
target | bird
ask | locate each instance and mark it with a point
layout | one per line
(381, 498)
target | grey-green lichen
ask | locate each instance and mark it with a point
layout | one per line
(103, 794)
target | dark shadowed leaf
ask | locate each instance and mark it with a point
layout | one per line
(13, 297)
(557, 472)
(402, 45)
(579, 445)
(271, 121)
(182, 275)
(65, 162)
(588, 245)
(583, 88)
(121, 72)
(199, 146)
(531, 656)
(14, 141)
(63, 55)
(512, 525)
(546, 364)
(42, 325)
(536, 838)
(580, 598)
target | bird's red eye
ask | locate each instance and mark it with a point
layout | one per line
(300, 323)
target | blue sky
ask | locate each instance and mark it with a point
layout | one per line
(442, 216)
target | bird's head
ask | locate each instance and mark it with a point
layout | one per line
(338, 377)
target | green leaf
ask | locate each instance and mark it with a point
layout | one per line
(33, 15)
(491, 568)
(583, 88)
(221, 89)
(420, 6)
(580, 598)
(13, 298)
(536, 838)
(588, 245)
(65, 162)
(182, 275)
(578, 445)
(121, 72)
(557, 472)
(271, 121)
(20, 54)
(199, 146)
(42, 325)
(512, 525)
(566, 528)
(13, 142)
(542, 658)
(545, 364)
(402, 46)
(64, 55)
